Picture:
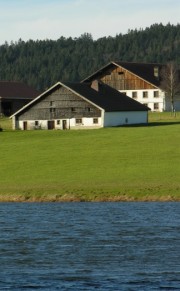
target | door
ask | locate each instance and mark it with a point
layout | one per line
(24, 125)
(51, 124)
(64, 124)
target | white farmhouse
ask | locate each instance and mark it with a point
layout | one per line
(140, 81)
(80, 105)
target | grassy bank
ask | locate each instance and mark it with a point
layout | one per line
(116, 164)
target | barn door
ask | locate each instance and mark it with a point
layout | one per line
(64, 124)
(51, 124)
(24, 125)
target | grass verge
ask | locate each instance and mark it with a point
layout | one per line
(114, 164)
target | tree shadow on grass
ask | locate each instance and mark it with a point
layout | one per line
(152, 124)
(163, 123)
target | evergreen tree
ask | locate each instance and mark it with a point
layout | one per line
(42, 63)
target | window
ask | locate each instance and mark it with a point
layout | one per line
(146, 104)
(156, 72)
(145, 94)
(58, 122)
(134, 94)
(52, 110)
(156, 106)
(51, 103)
(95, 120)
(73, 109)
(89, 109)
(36, 123)
(78, 120)
(156, 94)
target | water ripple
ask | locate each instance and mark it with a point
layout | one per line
(90, 246)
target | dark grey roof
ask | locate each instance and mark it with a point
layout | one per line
(107, 98)
(17, 90)
(144, 70)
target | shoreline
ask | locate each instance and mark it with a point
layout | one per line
(72, 198)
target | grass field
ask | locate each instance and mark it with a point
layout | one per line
(111, 164)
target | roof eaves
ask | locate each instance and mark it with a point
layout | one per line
(96, 72)
(47, 91)
(118, 65)
(35, 99)
(135, 74)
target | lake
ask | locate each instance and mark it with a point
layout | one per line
(90, 246)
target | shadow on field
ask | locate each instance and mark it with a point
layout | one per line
(151, 124)
(163, 123)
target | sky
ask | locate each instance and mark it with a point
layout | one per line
(51, 19)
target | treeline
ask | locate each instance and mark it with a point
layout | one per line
(42, 63)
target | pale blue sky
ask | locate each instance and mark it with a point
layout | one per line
(51, 19)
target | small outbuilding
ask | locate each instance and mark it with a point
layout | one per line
(80, 105)
(14, 95)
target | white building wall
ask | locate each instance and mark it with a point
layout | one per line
(14, 124)
(127, 117)
(108, 119)
(42, 124)
(58, 124)
(154, 103)
(87, 122)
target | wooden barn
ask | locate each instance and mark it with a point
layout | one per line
(79, 105)
(14, 95)
(140, 81)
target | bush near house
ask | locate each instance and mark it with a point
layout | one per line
(5, 123)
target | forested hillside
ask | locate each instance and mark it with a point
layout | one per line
(42, 63)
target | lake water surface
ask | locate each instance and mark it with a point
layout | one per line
(90, 246)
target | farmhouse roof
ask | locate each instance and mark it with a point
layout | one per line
(11, 89)
(105, 97)
(144, 71)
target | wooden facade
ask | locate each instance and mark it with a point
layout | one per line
(121, 79)
(60, 104)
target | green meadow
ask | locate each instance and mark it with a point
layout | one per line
(130, 163)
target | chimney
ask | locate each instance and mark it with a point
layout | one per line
(95, 85)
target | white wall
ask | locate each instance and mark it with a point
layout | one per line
(86, 123)
(70, 123)
(127, 117)
(42, 124)
(108, 119)
(150, 100)
(164, 103)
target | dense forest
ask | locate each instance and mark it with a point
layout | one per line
(42, 63)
